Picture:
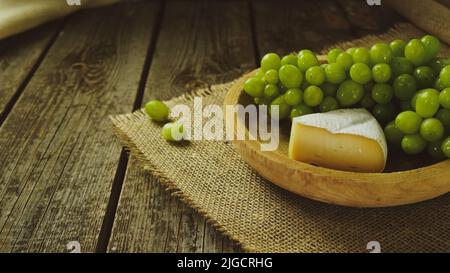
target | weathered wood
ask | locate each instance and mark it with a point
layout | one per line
(19, 57)
(58, 157)
(200, 43)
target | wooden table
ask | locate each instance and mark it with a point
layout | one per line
(63, 175)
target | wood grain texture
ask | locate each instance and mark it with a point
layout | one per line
(58, 157)
(200, 43)
(19, 56)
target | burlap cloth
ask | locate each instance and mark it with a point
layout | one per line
(211, 177)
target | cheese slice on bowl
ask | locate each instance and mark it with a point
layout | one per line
(347, 139)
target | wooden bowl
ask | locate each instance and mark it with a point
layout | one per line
(406, 179)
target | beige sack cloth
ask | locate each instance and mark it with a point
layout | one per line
(212, 178)
(19, 15)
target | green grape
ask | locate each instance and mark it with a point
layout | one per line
(157, 110)
(305, 51)
(333, 54)
(289, 59)
(350, 93)
(444, 116)
(405, 87)
(345, 60)
(446, 147)
(260, 74)
(405, 105)
(438, 85)
(271, 76)
(329, 89)
(284, 109)
(432, 47)
(393, 134)
(435, 151)
(361, 55)
(334, 73)
(360, 73)
(415, 52)
(293, 96)
(432, 129)
(429, 90)
(290, 76)
(315, 75)
(380, 53)
(301, 110)
(270, 61)
(401, 65)
(328, 104)
(261, 101)
(351, 50)
(424, 76)
(427, 103)
(438, 64)
(306, 60)
(413, 144)
(408, 122)
(444, 76)
(313, 96)
(398, 48)
(271, 91)
(173, 131)
(381, 73)
(384, 112)
(444, 98)
(254, 87)
(382, 93)
(367, 101)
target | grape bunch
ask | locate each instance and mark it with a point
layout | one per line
(405, 85)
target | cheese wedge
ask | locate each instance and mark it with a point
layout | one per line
(347, 139)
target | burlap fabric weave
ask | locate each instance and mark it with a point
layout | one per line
(211, 177)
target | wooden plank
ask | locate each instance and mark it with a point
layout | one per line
(19, 57)
(58, 157)
(200, 43)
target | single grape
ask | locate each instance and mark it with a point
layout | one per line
(428, 90)
(270, 61)
(444, 116)
(432, 47)
(351, 50)
(345, 60)
(283, 108)
(254, 87)
(408, 122)
(398, 48)
(333, 54)
(260, 74)
(306, 60)
(438, 64)
(293, 96)
(305, 51)
(435, 151)
(382, 93)
(380, 53)
(173, 131)
(413, 144)
(426, 104)
(446, 147)
(401, 65)
(405, 87)
(438, 85)
(271, 91)
(290, 76)
(367, 101)
(432, 129)
(384, 112)
(381, 73)
(393, 134)
(350, 93)
(329, 89)
(301, 110)
(313, 96)
(444, 76)
(361, 55)
(360, 73)
(315, 75)
(334, 73)
(444, 98)
(157, 110)
(415, 52)
(261, 101)
(289, 59)
(328, 104)
(424, 76)
(271, 76)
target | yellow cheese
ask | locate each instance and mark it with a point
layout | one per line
(347, 139)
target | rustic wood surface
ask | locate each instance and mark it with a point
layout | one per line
(63, 175)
